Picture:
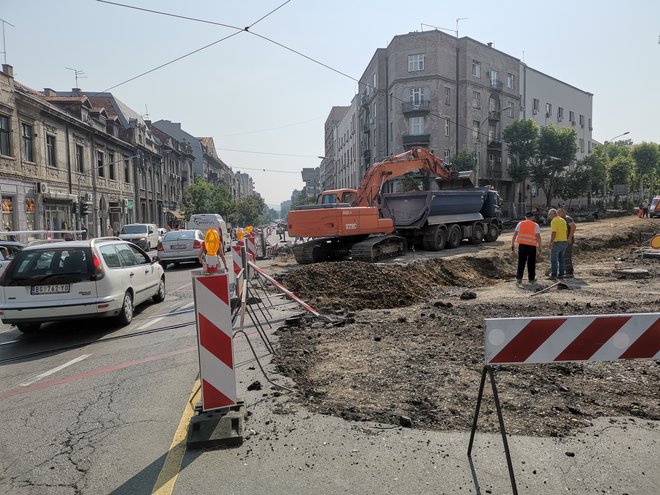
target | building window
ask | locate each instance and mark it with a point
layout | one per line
(510, 78)
(416, 126)
(560, 114)
(4, 135)
(51, 159)
(447, 155)
(374, 81)
(492, 105)
(26, 133)
(447, 127)
(373, 112)
(475, 130)
(571, 116)
(80, 158)
(476, 69)
(581, 120)
(391, 131)
(581, 145)
(111, 165)
(416, 95)
(476, 99)
(589, 147)
(415, 62)
(510, 110)
(590, 126)
(447, 96)
(494, 81)
(535, 106)
(548, 109)
(99, 163)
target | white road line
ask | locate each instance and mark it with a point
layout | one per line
(149, 323)
(183, 286)
(54, 370)
(9, 342)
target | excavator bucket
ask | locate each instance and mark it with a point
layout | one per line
(462, 180)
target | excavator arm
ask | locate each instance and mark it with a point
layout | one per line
(396, 166)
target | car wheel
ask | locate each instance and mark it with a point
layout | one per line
(28, 327)
(492, 232)
(454, 237)
(160, 295)
(126, 314)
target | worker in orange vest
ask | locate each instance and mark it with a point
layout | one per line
(528, 237)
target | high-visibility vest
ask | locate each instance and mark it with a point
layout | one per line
(527, 233)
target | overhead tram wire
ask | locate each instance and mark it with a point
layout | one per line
(265, 38)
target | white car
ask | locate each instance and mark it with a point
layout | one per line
(104, 277)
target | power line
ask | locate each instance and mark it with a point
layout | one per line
(270, 129)
(265, 170)
(267, 153)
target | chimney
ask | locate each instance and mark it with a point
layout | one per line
(49, 92)
(76, 92)
(490, 44)
(8, 69)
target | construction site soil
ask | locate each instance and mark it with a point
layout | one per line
(405, 344)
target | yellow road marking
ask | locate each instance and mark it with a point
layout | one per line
(170, 471)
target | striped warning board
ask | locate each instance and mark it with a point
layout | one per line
(572, 338)
(251, 247)
(214, 340)
(238, 253)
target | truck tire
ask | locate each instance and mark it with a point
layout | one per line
(435, 238)
(454, 237)
(492, 233)
(477, 234)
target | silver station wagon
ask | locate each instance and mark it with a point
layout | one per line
(180, 246)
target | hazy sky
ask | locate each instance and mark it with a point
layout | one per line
(254, 96)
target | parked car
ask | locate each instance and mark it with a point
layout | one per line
(144, 235)
(204, 221)
(654, 208)
(180, 246)
(8, 250)
(102, 277)
(161, 233)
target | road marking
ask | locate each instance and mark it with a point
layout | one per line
(149, 323)
(100, 371)
(54, 370)
(9, 342)
(184, 285)
(170, 471)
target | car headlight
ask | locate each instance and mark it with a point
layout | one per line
(142, 239)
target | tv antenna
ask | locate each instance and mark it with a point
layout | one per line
(78, 74)
(4, 44)
(146, 112)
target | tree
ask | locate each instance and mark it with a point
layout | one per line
(410, 183)
(463, 160)
(647, 161)
(621, 170)
(249, 211)
(521, 139)
(556, 150)
(595, 174)
(198, 198)
(223, 202)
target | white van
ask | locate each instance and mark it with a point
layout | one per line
(204, 221)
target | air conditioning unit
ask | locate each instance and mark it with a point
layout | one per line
(88, 197)
(42, 187)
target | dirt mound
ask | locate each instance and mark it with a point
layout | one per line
(354, 285)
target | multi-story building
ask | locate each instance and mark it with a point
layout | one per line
(244, 185)
(311, 178)
(327, 169)
(219, 171)
(347, 156)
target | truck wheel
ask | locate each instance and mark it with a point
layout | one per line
(454, 237)
(435, 238)
(477, 234)
(492, 233)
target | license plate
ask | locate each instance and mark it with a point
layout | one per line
(178, 246)
(36, 290)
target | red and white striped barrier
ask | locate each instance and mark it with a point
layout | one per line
(284, 289)
(572, 338)
(251, 247)
(214, 340)
(239, 261)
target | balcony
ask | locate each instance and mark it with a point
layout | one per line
(494, 115)
(495, 171)
(494, 143)
(496, 84)
(416, 140)
(422, 106)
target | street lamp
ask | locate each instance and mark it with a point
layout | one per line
(615, 137)
(476, 144)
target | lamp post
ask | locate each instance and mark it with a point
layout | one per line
(611, 141)
(615, 137)
(477, 148)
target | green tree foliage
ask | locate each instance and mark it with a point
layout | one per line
(409, 182)
(198, 198)
(521, 139)
(647, 163)
(250, 210)
(621, 170)
(556, 150)
(463, 160)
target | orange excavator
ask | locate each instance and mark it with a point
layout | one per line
(348, 223)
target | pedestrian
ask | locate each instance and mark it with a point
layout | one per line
(83, 236)
(557, 244)
(528, 237)
(570, 240)
(645, 209)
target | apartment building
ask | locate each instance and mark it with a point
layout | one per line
(347, 157)
(244, 185)
(327, 169)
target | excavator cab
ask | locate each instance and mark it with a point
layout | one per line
(333, 196)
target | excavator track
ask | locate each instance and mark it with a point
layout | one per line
(322, 249)
(378, 248)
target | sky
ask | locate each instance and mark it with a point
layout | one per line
(265, 106)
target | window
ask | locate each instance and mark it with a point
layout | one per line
(80, 158)
(99, 163)
(510, 78)
(415, 62)
(476, 99)
(110, 256)
(26, 133)
(374, 81)
(475, 130)
(416, 95)
(492, 133)
(571, 116)
(126, 255)
(4, 135)
(447, 96)
(590, 127)
(447, 155)
(111, 164)
(494, 78)
(391, 131)
(447, 127)
(589, 147)
(535, 106)
(476, 69)
(560, 114)
(373, 112)
(581, 120)
(548, 109)
(492, 105)
(51, 159)
(510, 111)
(581, 145)
(416, 126)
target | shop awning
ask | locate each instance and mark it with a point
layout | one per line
(177, 214)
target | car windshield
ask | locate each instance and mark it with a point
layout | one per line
(134, 229)
(179, 234)
(50, 265)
